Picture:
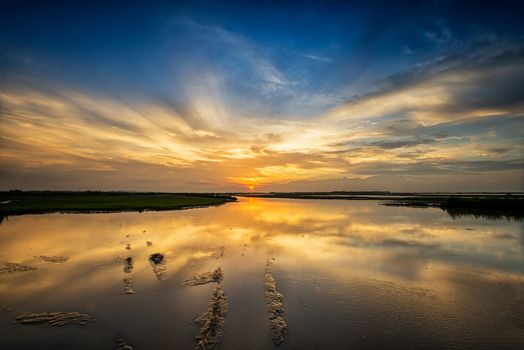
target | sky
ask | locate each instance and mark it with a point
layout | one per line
(214, 96)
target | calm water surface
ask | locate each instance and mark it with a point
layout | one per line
(354, 275)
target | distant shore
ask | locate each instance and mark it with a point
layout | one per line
(478, 204)
(489, 205)
(40, 202)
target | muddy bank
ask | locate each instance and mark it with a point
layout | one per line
(15, 267)
(128, 285)
(4, 308)
(219, 253)
(128, 280)
(128, 264)
(122, 345)
(158, 263)
(205, 277)
(53, 258)
(54, 319)
(211, 322)
(275, 307)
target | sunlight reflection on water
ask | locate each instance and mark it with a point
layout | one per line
(354, 274)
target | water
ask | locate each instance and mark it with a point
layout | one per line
(354, 275)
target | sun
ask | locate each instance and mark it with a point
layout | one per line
(251, 187)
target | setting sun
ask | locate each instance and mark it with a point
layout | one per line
(227, 109)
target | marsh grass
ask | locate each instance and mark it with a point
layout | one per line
(490, 207)
(36, 202)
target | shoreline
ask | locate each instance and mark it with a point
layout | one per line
(15, 203)
(489, 205)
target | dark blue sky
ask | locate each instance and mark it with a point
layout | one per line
(350, 66)
(336, 48)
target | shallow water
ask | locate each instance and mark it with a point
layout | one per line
(354, 275)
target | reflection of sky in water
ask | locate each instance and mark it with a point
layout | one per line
(356, 272)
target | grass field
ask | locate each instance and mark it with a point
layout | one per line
(35, 202)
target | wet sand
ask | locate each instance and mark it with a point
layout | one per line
(204, 278)
(275, 306)
(55, 319)
(212, 322)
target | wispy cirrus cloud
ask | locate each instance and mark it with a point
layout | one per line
(227, 115)
(484, 79)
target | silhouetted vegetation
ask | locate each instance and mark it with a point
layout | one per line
(490, 207)
(509, 207)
